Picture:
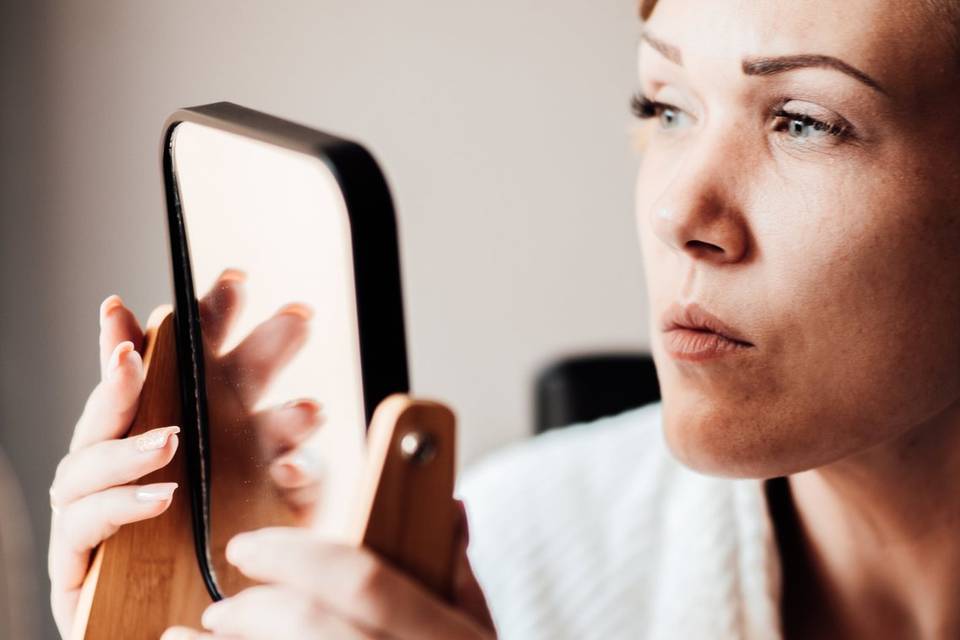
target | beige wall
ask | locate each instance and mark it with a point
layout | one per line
(501, 126)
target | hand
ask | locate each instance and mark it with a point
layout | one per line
(92, 496)
(315, 590)
(251, 439)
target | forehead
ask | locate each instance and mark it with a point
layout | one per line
(900, 44)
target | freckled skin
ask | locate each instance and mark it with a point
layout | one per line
(839, 260)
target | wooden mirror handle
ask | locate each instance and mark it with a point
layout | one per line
(146, 577)
(406, 509)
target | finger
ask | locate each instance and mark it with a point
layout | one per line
(117, 324)
(270, 346)
(220, 307)
(299, 483)
(268, 612)
(114, 462)
(284, 427)
(84, 524)
(296, 469)
(353, 583)
(185, 633)
(113, 402)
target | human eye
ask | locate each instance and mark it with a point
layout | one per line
(668, 116)
(802, 125)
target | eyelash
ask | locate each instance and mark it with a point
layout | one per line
(645, 108)
(841, 131)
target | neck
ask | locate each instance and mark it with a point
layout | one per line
(880, 533)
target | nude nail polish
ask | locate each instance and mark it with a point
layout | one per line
(156, 492)
(109, 306)
(298, 309)
(155, 439)
(291, 471)
(233, 275)
(304, 403)
(116, 358)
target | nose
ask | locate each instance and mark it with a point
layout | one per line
(699, 213)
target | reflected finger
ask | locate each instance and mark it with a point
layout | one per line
(270, 346)
(284, 427)
(220, 307)
(296, 469)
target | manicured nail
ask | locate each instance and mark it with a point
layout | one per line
(156, 492)
(304, 404)
(155, 438)
(117, 357)
(290, 471)
(108, 306)
(233, 275)
(296, 309)
(212, 615)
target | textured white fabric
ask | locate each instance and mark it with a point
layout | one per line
(595, 531)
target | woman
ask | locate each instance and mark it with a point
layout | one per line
(798, 207)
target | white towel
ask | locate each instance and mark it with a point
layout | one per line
(595, 531)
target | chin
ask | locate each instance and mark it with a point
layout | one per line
(735, 440)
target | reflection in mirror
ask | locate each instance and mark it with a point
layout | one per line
(269, 243)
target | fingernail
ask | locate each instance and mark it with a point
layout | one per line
(156, 492)
(117, 357)
(296, 309)
(305, 404)
(233, 275)
(108, 306)
(212, 615)
(290, 471)
(155, 439)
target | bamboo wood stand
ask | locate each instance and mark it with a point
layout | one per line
(146, 577)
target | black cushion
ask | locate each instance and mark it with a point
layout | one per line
(584, 388)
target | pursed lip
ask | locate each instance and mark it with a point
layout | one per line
(696, 318)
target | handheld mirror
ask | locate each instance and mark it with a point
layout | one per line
(289, 320)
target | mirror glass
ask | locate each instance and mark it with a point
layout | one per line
(269, 242)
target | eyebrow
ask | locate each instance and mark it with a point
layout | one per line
(768, 66)
(780, 64)
(668, 51)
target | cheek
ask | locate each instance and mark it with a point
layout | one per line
(861, 291)
(882, 301)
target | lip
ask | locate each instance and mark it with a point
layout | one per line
(692, 333)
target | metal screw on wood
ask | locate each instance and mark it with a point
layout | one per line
(418, 447)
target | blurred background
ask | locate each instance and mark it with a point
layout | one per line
(502, 127)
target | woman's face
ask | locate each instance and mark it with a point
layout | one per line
(800, 181)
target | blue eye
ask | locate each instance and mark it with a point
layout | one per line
(669, 116)
(802, 127)
(799, 129)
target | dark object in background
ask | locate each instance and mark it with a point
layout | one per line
(584, 388)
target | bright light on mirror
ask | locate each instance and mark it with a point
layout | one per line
(270, 249)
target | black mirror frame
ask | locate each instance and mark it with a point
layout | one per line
(376, 265)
